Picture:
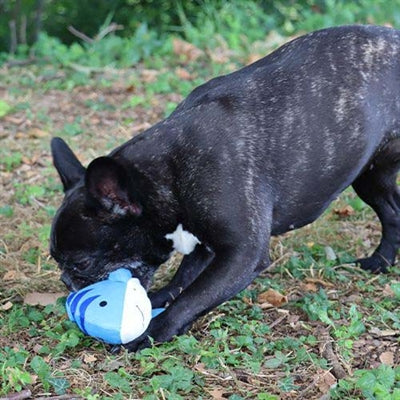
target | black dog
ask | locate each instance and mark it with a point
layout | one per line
(248, 155)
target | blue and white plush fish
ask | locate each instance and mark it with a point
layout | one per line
(116, 310)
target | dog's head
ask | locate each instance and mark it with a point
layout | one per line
(101, 224)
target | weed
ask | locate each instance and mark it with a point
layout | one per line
(376, 384)
(5, 108)
(7, 211)
(241, 349)
(11, 161)
(72, 128)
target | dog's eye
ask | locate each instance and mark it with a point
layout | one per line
(81, 266)
(84, 265)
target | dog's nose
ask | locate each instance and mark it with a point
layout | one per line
(66, 279)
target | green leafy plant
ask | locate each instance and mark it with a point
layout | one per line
(382, 383)
(5, 108)
(11, 161)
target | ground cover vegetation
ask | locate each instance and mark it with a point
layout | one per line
(311, 327)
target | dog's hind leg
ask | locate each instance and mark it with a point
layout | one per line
(378, 188)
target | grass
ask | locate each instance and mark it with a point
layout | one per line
(338, 334)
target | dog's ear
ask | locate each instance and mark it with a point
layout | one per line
(67, 165)
(107, 182)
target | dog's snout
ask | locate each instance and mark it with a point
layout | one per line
(67, 280)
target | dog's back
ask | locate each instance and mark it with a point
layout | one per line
(317, 110)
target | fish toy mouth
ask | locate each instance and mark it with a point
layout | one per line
(116, 310)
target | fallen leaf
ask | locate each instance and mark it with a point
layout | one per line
(10, 275)
(111, 365)
(181, 73)
(273, 297)
(344, 212)
(220, 57)
(252, 58)
(14, 120)
(330, 253)
(325, 380)
(42, 299)
(140, 127)
(388, 291)
(186, 49)
(247, 301)
(36, 133)
(387, 358)
(89, 358)
(320, 282)
(383, 333)
(149, 75)
(309, 287)
(217, 394)
(7, 306)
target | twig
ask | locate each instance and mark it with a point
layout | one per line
(326, 350)
(61, 397)
(80, 35)
(24, 394)
(108, 29)
(21, 63)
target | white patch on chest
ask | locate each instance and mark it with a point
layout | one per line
(183, 241)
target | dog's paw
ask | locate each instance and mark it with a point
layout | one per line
(142, 342)
(375, 264)
(160, 330)
(160, 298)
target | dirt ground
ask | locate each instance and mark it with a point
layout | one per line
(93, 119)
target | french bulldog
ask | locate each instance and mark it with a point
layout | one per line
(258, 152)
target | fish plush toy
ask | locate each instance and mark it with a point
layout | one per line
(116, 310)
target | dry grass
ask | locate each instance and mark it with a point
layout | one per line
(102, 121)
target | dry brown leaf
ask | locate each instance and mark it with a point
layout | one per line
(6, 306)
(183, 74)
(220, 57)
(309, 287)
(388, 291)
(382, 333)
(247, 301)
(14, 120)
(89, 358)
(320, 282)
(387, 358)
(344, 212)
(186, 49)
(10, 275)
(42, 299)
(273, 297)
(149, 75)
(140, 127)
(253, 58)
(217, 394)
(325, 380)
(37, 133)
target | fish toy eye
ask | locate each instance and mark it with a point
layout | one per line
(103, 303)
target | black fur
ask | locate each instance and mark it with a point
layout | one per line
(248, 155)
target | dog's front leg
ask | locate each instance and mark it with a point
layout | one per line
(232, 269)
(190, 268)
